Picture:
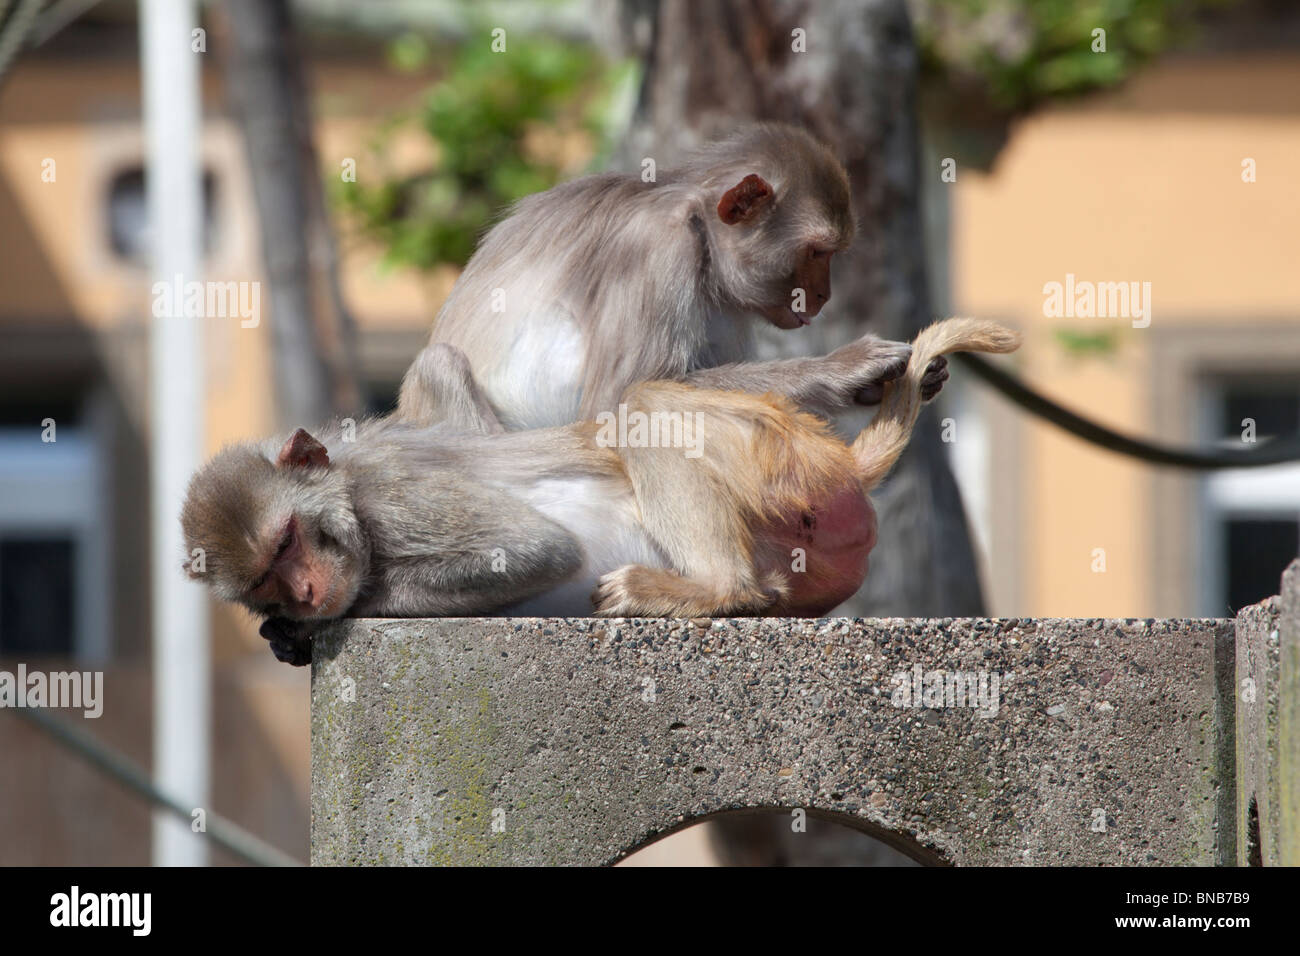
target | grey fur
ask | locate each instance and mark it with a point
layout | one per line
(600, 283)
(438, 516)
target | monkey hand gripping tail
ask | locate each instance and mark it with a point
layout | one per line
(734, 502)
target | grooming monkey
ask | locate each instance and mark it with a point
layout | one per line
(607, 281)
(459, 518)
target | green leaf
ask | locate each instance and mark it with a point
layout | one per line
(477, 117)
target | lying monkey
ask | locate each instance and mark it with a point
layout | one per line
(771, 516)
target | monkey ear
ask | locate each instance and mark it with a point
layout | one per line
(745, 200)
(301, 450)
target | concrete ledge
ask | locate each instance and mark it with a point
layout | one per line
(529, 741)
(1268, 728)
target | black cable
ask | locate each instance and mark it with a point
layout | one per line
(1272, 452)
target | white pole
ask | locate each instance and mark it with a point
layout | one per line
(172, 106)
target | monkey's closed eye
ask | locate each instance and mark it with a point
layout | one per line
(286, 542)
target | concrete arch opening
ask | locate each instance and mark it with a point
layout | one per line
(780, 836)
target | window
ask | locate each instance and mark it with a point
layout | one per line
(1251, 524)
(37, 595)
(128, 215)
(54, 560)
(1257, 549)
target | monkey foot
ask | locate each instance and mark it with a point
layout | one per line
(638, 591)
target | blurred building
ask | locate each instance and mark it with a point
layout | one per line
(1144, 185)
(75, 305)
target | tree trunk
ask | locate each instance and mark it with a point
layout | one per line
(16, 25)
(712, 66)
(313, 336)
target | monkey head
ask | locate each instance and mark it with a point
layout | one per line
(780, 224)
(279, 536)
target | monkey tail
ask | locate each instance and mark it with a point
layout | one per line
(881, 443)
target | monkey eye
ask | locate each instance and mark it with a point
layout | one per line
(287, 539)
(285, 542)
(822, 253)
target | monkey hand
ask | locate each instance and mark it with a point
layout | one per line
(864, 366)
(936, 374)
(290, 640)
(931, 383)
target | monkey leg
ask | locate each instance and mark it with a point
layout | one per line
(697, 499)
(440, 387)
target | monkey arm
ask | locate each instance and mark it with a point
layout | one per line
(451, 548)
(853, 374)
(434, 587)
(478, 549)
(440, 386)
(820, 385)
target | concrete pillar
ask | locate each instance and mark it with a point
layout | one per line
(1268, 728)
(493, 741)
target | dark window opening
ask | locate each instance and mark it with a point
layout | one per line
(1274, 407)
(36, 596)
(27, 412)
(128, 215)
(1259, 549)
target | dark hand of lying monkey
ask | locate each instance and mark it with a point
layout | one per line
(607, 281)
(412, 520)
(290, 640)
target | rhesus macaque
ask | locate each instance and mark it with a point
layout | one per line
(759, 510)
(607, 281)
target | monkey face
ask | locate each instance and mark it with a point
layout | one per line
(280, 538)
(784, 249)
(308, 576)
(813, 276)
(801, 294)
(784, 317)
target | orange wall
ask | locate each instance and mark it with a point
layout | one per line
(1141, 185)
